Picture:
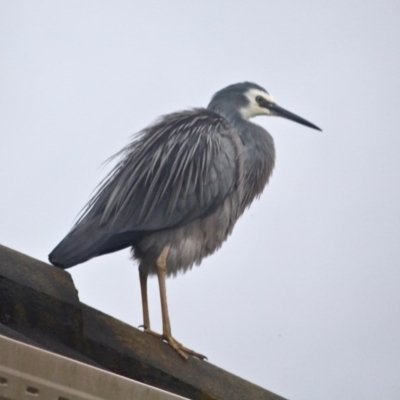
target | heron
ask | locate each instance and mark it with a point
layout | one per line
(177, 190)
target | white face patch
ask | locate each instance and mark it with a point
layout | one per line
(253, 109)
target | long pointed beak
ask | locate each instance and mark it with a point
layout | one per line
(281, 112)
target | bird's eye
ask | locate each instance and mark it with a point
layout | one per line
(259, 99)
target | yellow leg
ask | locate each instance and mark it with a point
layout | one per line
(166, 335)
(162, 275)
(145, 303)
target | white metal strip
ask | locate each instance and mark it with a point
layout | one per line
(29, 373)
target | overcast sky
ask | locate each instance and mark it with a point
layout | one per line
(304, 298)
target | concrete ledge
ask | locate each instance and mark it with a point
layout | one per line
(39, 305)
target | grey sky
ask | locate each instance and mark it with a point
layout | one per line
(304, 298)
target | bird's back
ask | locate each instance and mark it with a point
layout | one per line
(178, 171)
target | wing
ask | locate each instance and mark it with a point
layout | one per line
(179, 169)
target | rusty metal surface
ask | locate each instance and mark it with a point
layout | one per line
(41, 303)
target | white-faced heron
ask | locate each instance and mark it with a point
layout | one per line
(178, 190)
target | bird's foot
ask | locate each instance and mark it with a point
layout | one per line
(183, 351)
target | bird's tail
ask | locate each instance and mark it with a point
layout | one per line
(80, 245)
(85, 241)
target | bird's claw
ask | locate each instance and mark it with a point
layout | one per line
(183, 351)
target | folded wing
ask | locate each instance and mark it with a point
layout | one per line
(179, 169)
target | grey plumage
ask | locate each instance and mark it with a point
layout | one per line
(181, 183)
(177, 170)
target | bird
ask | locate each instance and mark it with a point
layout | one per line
(177, 191)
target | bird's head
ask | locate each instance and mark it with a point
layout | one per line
(251, 100)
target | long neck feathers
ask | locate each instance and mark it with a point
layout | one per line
(258, 151)
(259, 158)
